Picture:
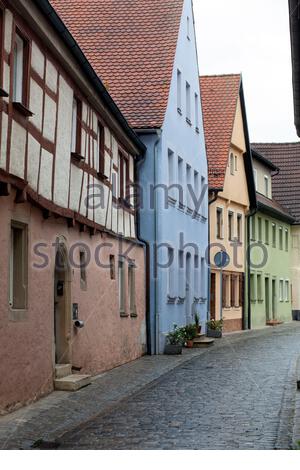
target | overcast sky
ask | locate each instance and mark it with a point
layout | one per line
(252, 37)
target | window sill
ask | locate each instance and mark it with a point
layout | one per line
(197, 130)
(102, 176)
(188, 121)
(17, 315)
(22, 109)
(3, 93)
(76, 157)
(179, 111)
(133, 315)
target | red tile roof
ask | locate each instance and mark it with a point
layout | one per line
(285, 185)
(131, 46)
(219, 94)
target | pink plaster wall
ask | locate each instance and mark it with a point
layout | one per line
(27, 347)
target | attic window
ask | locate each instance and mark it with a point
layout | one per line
(188, 26)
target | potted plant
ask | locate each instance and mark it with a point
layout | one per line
(175, 340)
(214, 328)
(197, 323)
(190, 332)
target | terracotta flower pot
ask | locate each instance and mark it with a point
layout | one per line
(189, 343)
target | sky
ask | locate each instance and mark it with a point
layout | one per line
(252, 37)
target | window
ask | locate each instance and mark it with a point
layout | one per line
(131, 289)
(180, 182)
(231, 164)
(230, 225)
(219, 222)
(281, 290)
(239, 227)
(266, 232)
(287, 291)
(266, 179)
(274, 235)
(196, 187)
(226, 294)
(188, 27)
(252, 288)
(255, 177)
(197, 112)
(286, 232)
(259, 229)
(83, 264)
(122, 287)
(18, 266)
(203, 206)
(235, 163)
(123, 176)
(170, 167)
(196, 276)
(100, 143)
(171, 272)
(179, 83)
(20, 70)
(76, 126)
(181, 280)
(188, 184)
(203, 279)
(188, 102)
(259, 287)
(112, 267)
(234, 291)
(280, 238)
(253, 230)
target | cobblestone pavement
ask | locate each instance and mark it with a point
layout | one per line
(236, 396)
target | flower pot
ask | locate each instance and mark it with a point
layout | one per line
(173, 349)
(199, 329)
(214, 333)
(189, 343)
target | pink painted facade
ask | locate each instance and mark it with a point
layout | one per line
(43, 189)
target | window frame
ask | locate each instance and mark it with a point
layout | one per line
(76, 146)
(16, 225)
(219, 233)
(101, 149)
(23, 103)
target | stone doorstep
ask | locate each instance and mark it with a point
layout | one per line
(62, 370)
(203, 342)
(274, 322)
(72, 382)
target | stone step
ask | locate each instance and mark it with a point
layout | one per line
(274, 322)
(62, 370)
(203, 342)
(72, 382)
(200, 335)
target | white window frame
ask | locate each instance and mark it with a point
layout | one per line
(188, 102)
(179, 91)
(18, 69)
(281, 290)
(287, 290)
(267, 185)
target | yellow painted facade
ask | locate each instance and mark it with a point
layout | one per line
(227, 225)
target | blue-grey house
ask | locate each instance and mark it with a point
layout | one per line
(145, 52)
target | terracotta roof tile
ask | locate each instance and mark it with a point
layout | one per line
(131, 46)
(285, 185)
(219, 94)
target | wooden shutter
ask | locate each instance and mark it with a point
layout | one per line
(224, 291)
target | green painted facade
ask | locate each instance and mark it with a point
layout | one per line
(270, 278)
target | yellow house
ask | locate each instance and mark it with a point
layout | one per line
(231, 194)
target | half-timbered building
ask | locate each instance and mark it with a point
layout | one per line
(72, 270)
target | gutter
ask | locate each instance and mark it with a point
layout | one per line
(70, 42)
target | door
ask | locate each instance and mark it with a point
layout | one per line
(267, 299)
(62, 309)
(273, 299)
(213, 296)
(188, 289)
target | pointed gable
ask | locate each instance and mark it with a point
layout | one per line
(219, 95)
(131, 46)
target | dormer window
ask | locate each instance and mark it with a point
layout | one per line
(188, 27)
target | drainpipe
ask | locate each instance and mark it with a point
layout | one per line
(250, 214)
(155, 242)
(146, 243)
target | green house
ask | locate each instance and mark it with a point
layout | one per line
(270, 244)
